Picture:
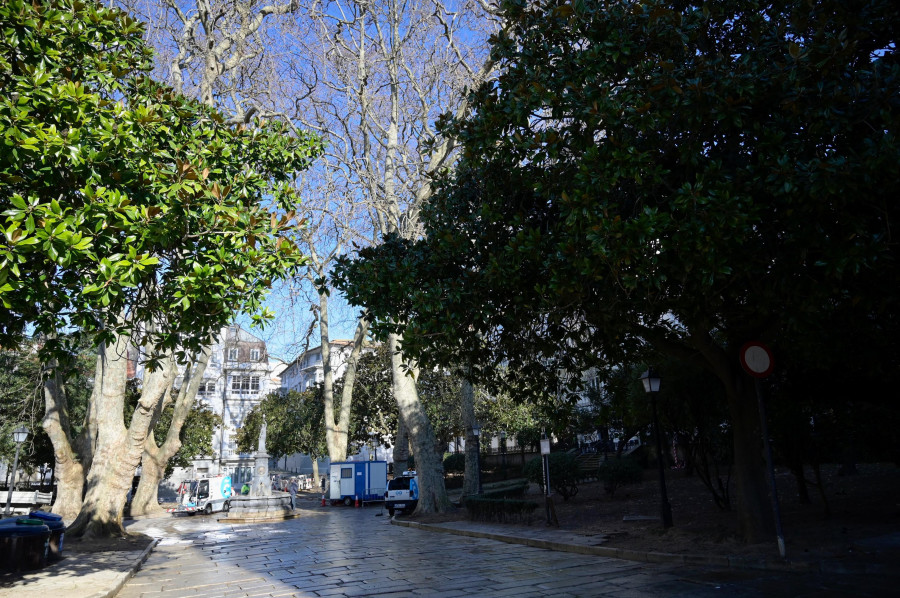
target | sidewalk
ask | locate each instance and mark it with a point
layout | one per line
(874, 556)
(78, 575)
(102, 574)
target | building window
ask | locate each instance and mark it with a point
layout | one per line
(207, 387)
(245, 384)
(233, 354)
(254, 354)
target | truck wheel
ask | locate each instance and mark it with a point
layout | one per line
(227, 506)
(208, 509)
(347, 501)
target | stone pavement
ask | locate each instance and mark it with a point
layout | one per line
(357, 552)
(82, 575)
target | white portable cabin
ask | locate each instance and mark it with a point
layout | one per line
(357, 480)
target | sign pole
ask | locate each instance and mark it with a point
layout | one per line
(757, 360)
(779, 532)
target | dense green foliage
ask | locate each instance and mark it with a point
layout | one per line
(295, 423)
(731, 164)
(374, 411)
(619, 471)
(21, 400)
(564, 473)
(658, 177)
(117, 195)
(514, 489)
(455, 463)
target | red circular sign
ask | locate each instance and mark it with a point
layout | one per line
(757, 360)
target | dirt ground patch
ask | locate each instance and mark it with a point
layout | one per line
(863, 506)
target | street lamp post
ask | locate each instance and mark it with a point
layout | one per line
(20, 435)
(476, 432)
(503, 450)
(651, 381)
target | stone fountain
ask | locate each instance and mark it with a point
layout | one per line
(262, 504)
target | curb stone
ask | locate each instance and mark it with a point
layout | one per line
(126, 575)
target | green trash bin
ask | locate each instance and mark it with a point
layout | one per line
(24, 544)
(57, 532)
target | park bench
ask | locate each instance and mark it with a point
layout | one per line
(24, 502)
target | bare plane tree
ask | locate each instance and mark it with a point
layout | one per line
(379, 74)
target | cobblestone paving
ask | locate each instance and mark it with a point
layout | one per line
(338, 551)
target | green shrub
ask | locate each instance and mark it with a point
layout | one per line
(564, 474)
(500, 510)
(511, 491)
(455, 463)
(618, 472)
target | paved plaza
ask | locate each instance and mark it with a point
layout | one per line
(357, 552)
(339, 551)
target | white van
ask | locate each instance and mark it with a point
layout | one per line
(206, 495)
(402, 493)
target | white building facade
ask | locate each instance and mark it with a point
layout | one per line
(307, 370)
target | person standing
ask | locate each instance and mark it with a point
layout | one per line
(292, 488)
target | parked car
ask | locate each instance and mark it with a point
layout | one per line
(402, 493)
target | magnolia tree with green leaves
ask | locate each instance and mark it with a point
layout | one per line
(131, 213)
(685, 177)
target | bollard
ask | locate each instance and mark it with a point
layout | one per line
(357, 501)
(323, 500)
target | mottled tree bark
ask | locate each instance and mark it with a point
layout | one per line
(117, 449)
(68, 469)
(429, 467)
(155, 458)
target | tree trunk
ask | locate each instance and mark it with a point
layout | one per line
(400, 454)
(118, 450)
(146, 499)
(337, 431)
(467, 407)
(429, 468)
(335, 436)
(68, 470)
(756, 519)
(155, 458)
(359, 338)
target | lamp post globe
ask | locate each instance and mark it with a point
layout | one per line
(20, 435)
(651, 380)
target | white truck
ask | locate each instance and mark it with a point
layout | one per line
(204, 495)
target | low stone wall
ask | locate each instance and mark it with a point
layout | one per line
(260, 508)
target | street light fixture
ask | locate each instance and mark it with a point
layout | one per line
(476, 432)
(20, 435)
(651, 381)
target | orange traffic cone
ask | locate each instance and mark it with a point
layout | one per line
(323, 500)
(357, 501)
